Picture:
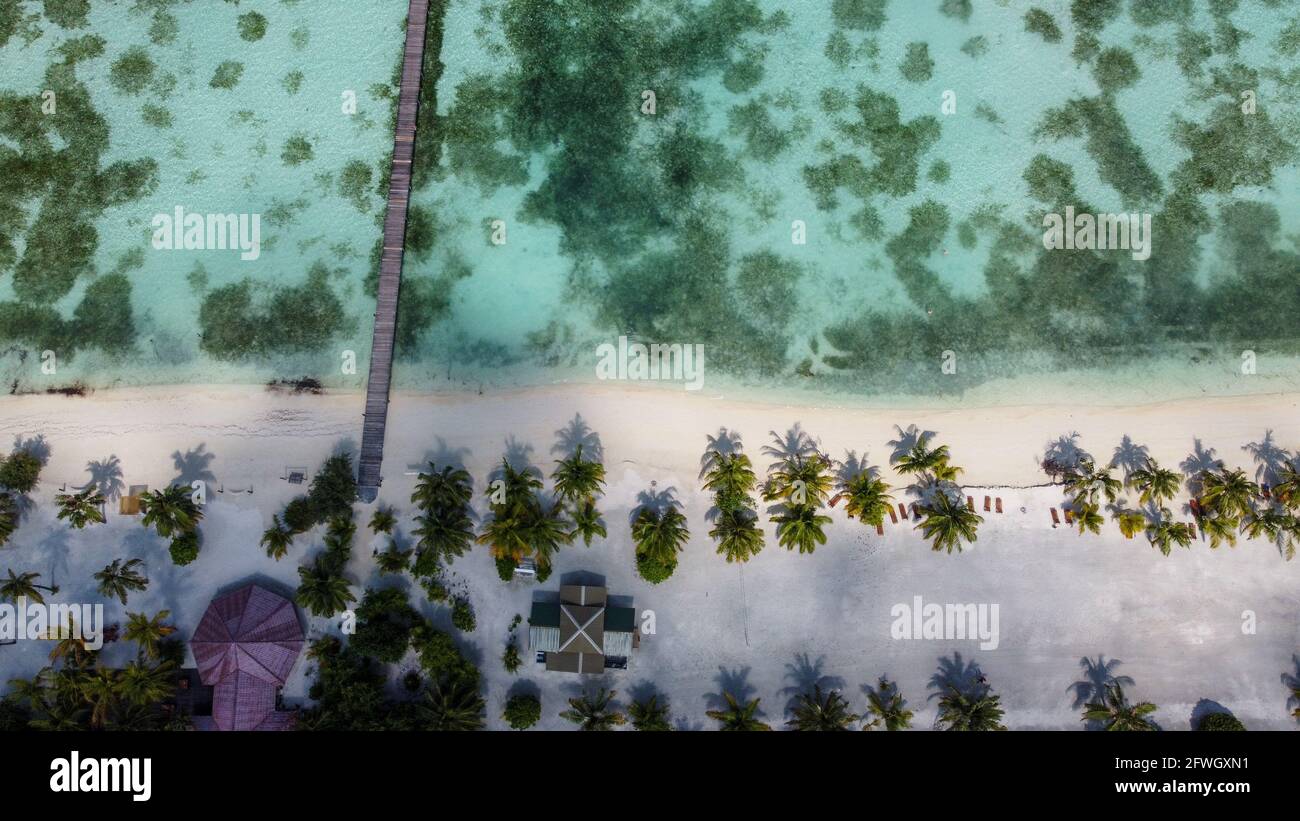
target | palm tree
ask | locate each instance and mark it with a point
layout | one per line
(452, 707)
(24, 585)
(1229, 492)
(737, 717)
(1164, 534)
(393, 560)
(817, 712)
(1089, 518)
(507, 536)
(799, 480)
(1275, 526)
(976, 712)
(100, 691)
(8, 517)
(887, 705)
(1220, 529)
(1086, 484)
(323, 592)
(868, 498)
(594, 713)
(922, 458)
(442, 490)
(1131, 522)
(577, 478)
(1155, 485)
(277, 539)
(801, 526)
(141, 684)
(170, 511)
(444, 534)
(518, 486)
(729, 475)
(148, 633)
(948, 523)
(1287, 489)
(650, 715)
(660, 536)
(1117, 714)
(70, 644)
(382, 520)
(81, 509)
(118, 580)
(586, 522)
(739, 537)
(546, 532)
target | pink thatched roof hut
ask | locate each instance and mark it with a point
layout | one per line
(246, 643)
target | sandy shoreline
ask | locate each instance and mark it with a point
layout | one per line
(1175, 622)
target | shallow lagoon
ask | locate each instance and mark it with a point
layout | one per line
(677, 226)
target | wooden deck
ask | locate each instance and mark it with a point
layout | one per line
(390, 264)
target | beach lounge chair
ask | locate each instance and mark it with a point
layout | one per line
(893, 517)
(970, 502)
(129, 505)
(880, 530)
(1069, 517)
(1192, 527)
(986, 504)
(998, 503)
(295, 476)
(916, 513)
(1056, 520)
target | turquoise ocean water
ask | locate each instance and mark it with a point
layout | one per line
(913, 145)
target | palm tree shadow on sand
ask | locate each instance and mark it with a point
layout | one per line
(794, 443)
(965, 677)
(907, 439)
(1098, 674)
(804, 675)
(1200, 461)
(1270, 460)
(193, 466)
(578, 434)
(106, 477)
(1129, 456)
(735, 682)
(656, 499)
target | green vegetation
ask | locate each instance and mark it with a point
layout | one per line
(868, 15)
(594, 712)
(68, 14)
(521, 524)
(1043, 24)
(292, 82)
(887, 707)
(917, 67)
(659, 534)
(227, 74)
(118, 580)
(522, 711)
(650, 715)
(385, 620)
(957, 9)
(132, 72)
(970, 712)
(1116, 713)
(297, 150)
(462, 615)
(1221, 722)
(241, 321)
(174, 515)
(444, 525)
(738, 717)
(821, 712)
(252, 26)
(81, 508)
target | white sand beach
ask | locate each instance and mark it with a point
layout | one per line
(765, 630)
